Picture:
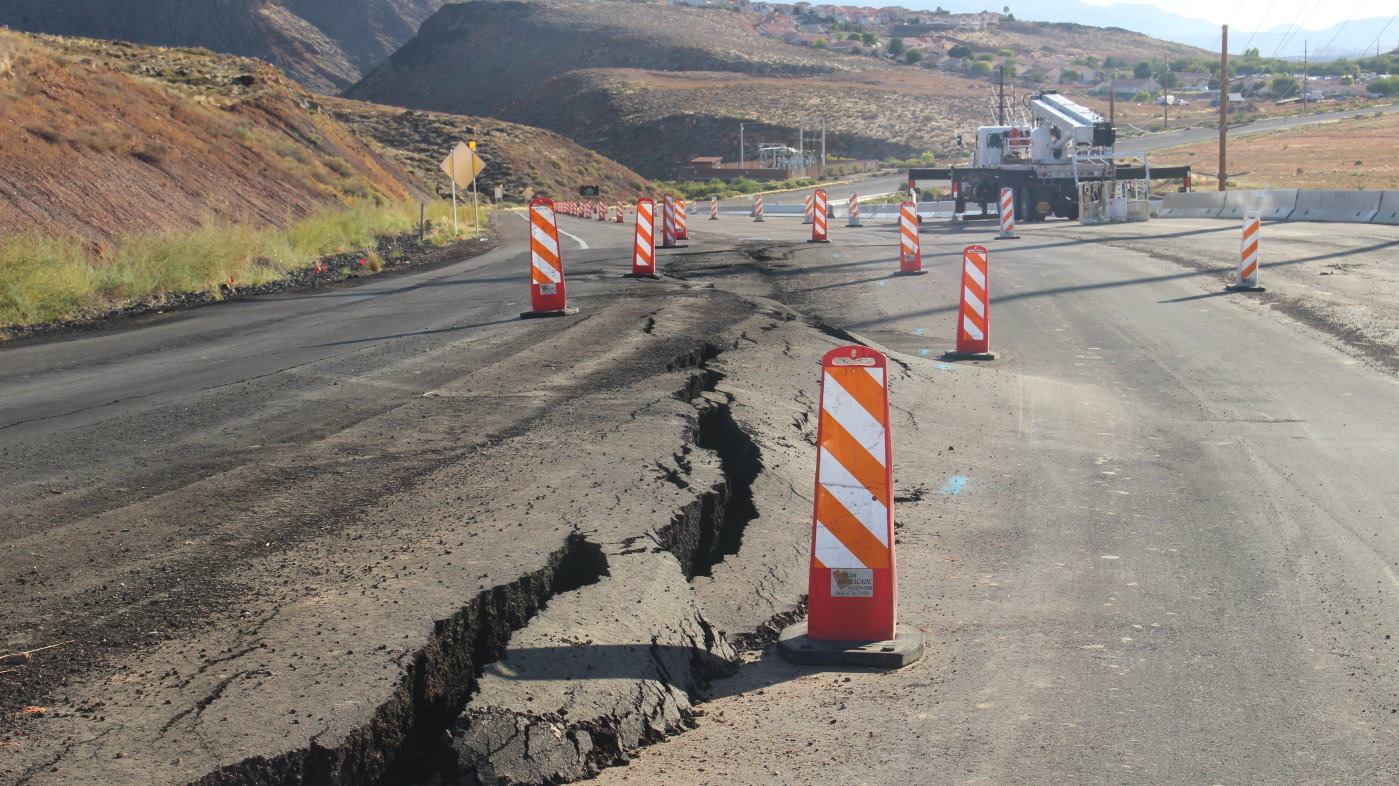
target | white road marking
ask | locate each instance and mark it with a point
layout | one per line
(582, 244)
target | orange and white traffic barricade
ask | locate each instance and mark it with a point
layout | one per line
(854, 210)
(621, 213)
(807, 219)
(757, 208)
(668, 222)
(602, 211)
(1246, 277)
(681, 219)
(643, 255)
(851, 611)
(714, 208)
(974, 312)
(548, 297)
(819, 231)
(1007, 215)
(910, 247)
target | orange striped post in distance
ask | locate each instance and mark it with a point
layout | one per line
(910, 247)
(643, 255)
(807, 219)
(819, 231)
(546, 287)
(681, 233)
(1007, 215)
(1246, 277)
(854, 210)
(621, 213)
(852, 589)
(974, 313)
(668, 222)
(714, 208)
(757, 209)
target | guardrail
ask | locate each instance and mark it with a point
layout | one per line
(1287, 204)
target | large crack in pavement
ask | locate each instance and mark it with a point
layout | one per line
(608, 567)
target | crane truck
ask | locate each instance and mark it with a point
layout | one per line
(1042, 163)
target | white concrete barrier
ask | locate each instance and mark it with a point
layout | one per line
(1193, 204)
(1388, 212)
(1272, 205)
(1350, 206)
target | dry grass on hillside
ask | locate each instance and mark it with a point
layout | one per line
(102, 138)
(1341, 155)
(517, 157)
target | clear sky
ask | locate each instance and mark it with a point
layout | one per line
(1263, 14)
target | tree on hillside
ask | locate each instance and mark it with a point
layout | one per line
(1384, 86)
(896, 46)
(961, 51)
(1069, 76)
(821, 43)
(869, 38)
(913, 56)
(980, 67)
(1285, 85)
(1142, 70)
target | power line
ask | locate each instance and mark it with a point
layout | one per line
(1386, 27)
(1296, 27)
(1220, 38)
(1339, 30)
(1259, 23)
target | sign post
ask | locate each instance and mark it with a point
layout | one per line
(462, 165)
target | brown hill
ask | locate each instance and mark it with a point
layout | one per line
(512, 45)
(324, 44)
(104, 138)
(653, 86)
(517, 156)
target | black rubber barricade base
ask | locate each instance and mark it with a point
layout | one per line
(905, 648)
(911, 273)
(563, 312)
(651, 276)
(955, 355)
(1238, 288)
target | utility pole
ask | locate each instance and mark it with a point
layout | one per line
(1223, 104)
(1000, 95)
(1304, 77)
(1112, 102)
(823, 141)
(1166, 90)
(801, 142)
(740, 146)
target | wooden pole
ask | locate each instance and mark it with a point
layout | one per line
(1223, 105)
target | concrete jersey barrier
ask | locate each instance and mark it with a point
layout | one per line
(1349, 206)
(1272, 205)
(1193, 204)
(1388, 212)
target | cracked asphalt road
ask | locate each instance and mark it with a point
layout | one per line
(1154, 542)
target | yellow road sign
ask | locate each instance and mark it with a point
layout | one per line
(462, 165)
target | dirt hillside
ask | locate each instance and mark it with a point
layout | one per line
(517, 156)
(324, 44)
(654, 86)
(103, 138)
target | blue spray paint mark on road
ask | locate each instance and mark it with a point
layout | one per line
(953, 485)
(924, 351)
(880, 283)
(942, 366)
(918, 331)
